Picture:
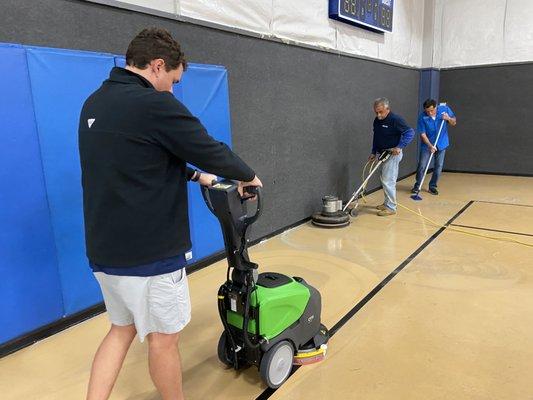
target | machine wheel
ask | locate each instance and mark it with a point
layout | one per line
(223, 353)
(354, 212)
(276, 364)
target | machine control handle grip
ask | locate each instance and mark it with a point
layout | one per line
(254, 190)
(251, 189)
(205, 195)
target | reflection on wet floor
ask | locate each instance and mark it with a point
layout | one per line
(454, 323)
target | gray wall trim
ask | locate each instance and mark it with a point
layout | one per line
(508, 64)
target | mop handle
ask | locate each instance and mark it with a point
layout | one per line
(431, 156)
(362, 185)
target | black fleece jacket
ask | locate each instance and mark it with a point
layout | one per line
(134, 143)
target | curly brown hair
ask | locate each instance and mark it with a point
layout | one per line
(152, 43)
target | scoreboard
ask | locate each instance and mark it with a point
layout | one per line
(374, 15)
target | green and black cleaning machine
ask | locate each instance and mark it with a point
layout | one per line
(270, 320)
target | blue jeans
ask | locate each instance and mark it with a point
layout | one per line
(438, 163)
(389, 176)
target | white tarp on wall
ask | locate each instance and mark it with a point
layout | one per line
(251, 15)
(168, 6)
(403, 46)
(358, 41)
(518, 32)
(470, 32)
(307, 21)
(477, 32)
(304, 21)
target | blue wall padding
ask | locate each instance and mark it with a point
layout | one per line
(30, 290)
(429, 86)
(61, 81)
(205, 93)
(45, 273)
(428, 89)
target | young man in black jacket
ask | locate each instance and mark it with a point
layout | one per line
(135, 139)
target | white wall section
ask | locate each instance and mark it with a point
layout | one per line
(518, 31)
(168, 6)
(469, 32)
(251, 15)
(307, 22)
(478, 32)
(303, 21)
(426, 33)
(404, 45)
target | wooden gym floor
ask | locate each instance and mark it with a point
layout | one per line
(416, 311)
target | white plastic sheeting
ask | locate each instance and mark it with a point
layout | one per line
(307, 22)
(168, 6)
(471, 32)
(304, 21)
(403, 46)
(518, 31)
(477, 32)
(251, 15)
(359, 41)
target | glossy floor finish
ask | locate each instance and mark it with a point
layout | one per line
(455, 320)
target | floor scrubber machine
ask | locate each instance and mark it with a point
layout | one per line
(270, 320)
(333, 213)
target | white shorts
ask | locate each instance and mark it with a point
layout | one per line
(158, 303)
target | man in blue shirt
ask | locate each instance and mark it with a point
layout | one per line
(391, 132)
(429, 122)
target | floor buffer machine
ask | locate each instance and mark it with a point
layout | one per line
(270, 320)
(333, 213)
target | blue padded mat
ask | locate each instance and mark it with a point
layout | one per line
(30, 287)
(61, 81)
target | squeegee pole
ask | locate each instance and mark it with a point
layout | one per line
(430, 158)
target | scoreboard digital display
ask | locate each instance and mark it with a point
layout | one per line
(374, 15)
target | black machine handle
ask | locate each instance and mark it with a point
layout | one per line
(205, 195)
(256, 191)
(252, 190)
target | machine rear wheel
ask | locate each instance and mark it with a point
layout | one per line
(276, 364)
(223, 352)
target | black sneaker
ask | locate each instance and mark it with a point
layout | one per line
(433, 191)
(414, 190)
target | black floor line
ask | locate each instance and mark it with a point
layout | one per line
(493, 230)
(268, 392)
(503, 204)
